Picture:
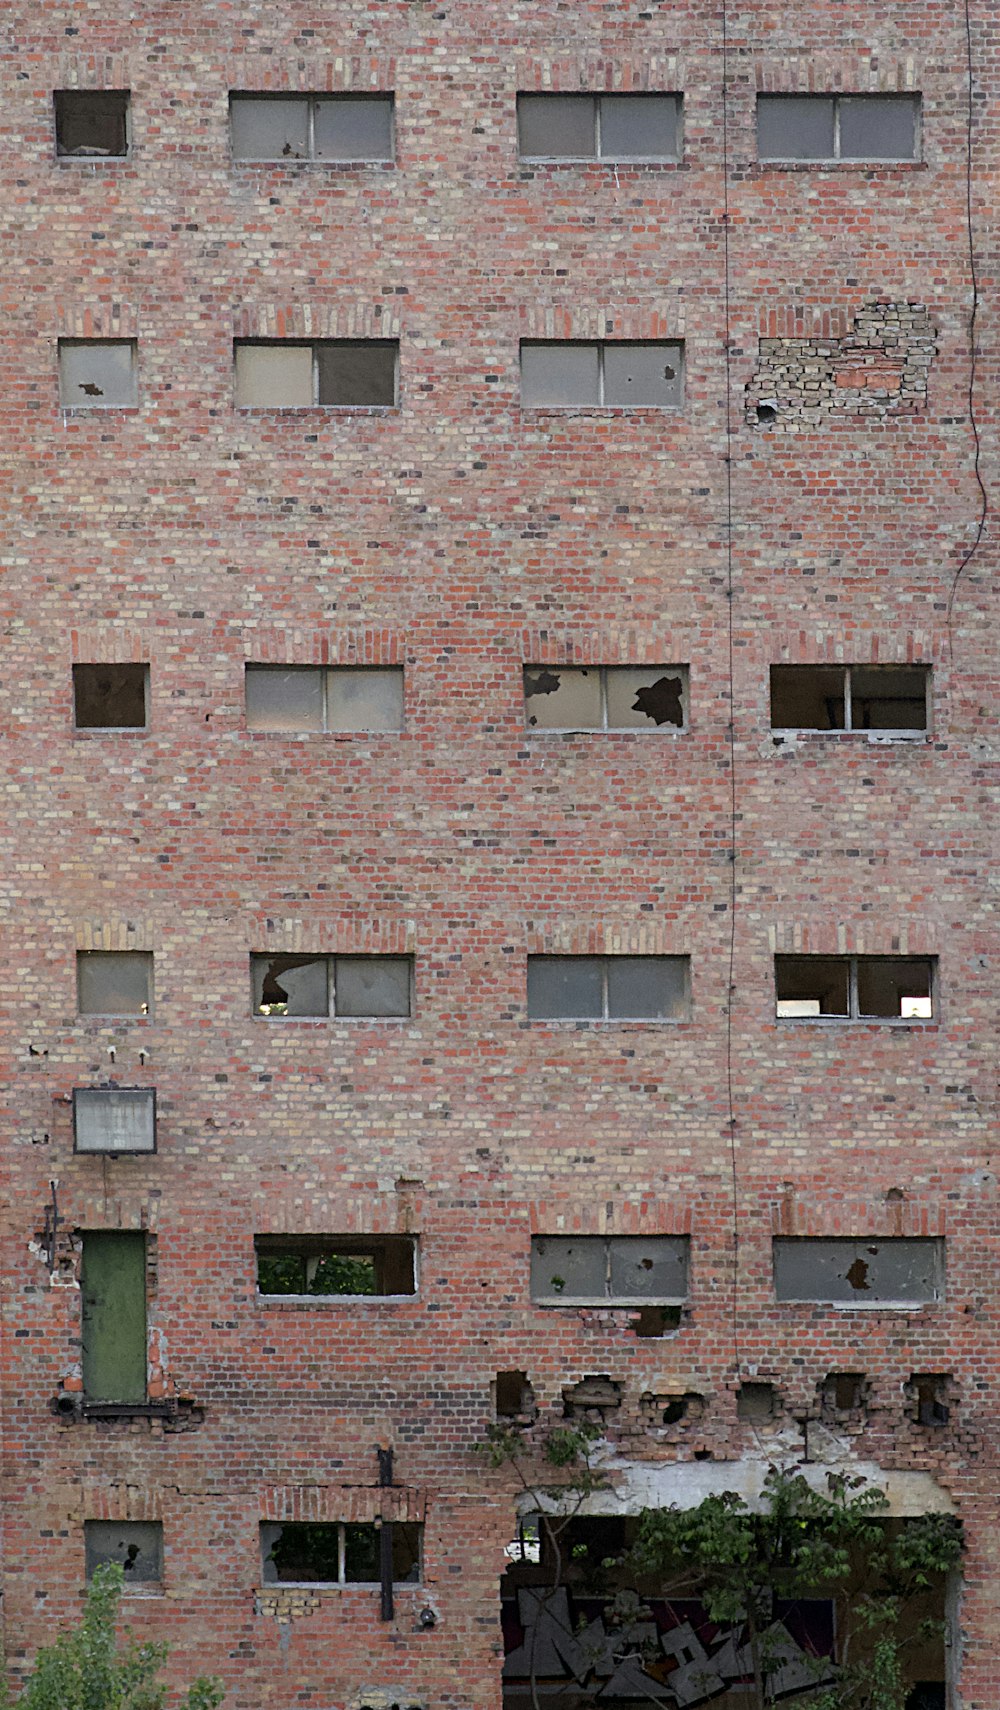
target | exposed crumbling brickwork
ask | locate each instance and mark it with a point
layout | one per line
(879, 368)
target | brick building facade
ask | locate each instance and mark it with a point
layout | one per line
(802, 495)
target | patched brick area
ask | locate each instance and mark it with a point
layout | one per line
(879, 368)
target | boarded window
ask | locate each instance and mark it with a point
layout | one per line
(561, 373)
(113, 1287)
(310, 698)
(357, 986)
(605, 697)
(98, 374)
(92, 124)
(337, 1553)
(608, 988)
(336, 1264)
(838, 127)
(599, 127)
(624, 1270)
(333, 374)
(332, 128)
(136, 1545)
(861, 988)
(890, 698)
(114, 1119)
(111, 697)
(114, 982)
(859, 1272)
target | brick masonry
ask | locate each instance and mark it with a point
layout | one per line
(461, 538)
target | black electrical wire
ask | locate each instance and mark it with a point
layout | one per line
(984, 503)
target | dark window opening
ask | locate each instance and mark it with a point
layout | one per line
(756, 1401)
(514, 1397)
(337, 1553)
(886, 698)
(860, 988)
(92, 124)
(842, 1392)
(930, 1393)
(336, 1265)
(111, 697)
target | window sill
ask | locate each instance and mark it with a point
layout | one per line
(298, 1302)
(877, 1021)
(293, 411)
(128, 1409)
(826, 165)
(94, 159)
(601, 411)
(269, 1586)
(910, 1306)
(581, 1021)
(586, 1303)
(325, 1020)
(548, 730)
(130, 730)
(602, 162)
(283, 164)
(311, 735)
(876, 738)
(99, 409)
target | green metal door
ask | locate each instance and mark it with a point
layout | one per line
(114, 1317)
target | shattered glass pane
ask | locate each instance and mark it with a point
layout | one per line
(566, 988)
(372, 985)
(98, 374)
(573, 1268)
(559, 374)
(556, 127)
(274, 376)
(861, 1272)
(136, 1545)
(269, 127)
(284, 699)
(648, 1267)
(289, 985)
(365, 698)
(353, 128)
(645, 697)
(560, 697)
(639, 127)
(644, 374)
(878, 127)
(647, 988)
(357, 374)
(795, 127)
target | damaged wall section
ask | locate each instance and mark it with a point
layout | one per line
(877, 367)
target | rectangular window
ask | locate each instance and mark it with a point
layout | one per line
(358, 986)
(334, 128)
(337, 1553)
(632, 127)
(136, 1545)
(114, 1119)
(572, 373)
(113, 1289)
(894, 699)
(305, 698)
(336, 1264)
(602, 1270)
(608, 988)
(114, 982)
(98, 374)
(855, 988)
(91, 124)
(605, 697)
(838, 127)
(346, 374)
(111, 697)
(859, 1272)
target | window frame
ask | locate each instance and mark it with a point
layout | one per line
(92, 159)
(836, 96)
(855, 1017)
(853, 1303)
(135, 956)
(341, 1583)
(147, 1587)
(314, 346)
(608, 1301)
(90, 404)
(261, 668)
(331, 958)
(877, 732)
(111, 665)
(606, 729)
(605, 1018)
(677, 345)
(313, 100)
(597, 97)
(336, 1246)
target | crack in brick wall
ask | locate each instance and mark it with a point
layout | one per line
(877, 368)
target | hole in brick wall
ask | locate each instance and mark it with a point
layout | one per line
(842, 1392)
(756, 1401)
(593, 1398)
(656, 1320)
(514, 1396)
(930, 1393)
(766, 413)
(110, 697)
(672, 1409)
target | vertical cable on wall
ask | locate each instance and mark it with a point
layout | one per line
(984, 504)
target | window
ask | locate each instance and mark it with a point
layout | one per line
(336, 128)
(565, 373)
(98, 374)
(334, 374)
(92, 124)
(838, 127)
(114, 982)
(307, 698)
(136, 1545)
(113, 1287)
(362, 986)
(605, 697)
(114, 1119)
(858, 988)
(609, 1270)
(111, 697)
(338, 1553)
(336, 1264)
(599, 127)
(859, 1272)
(894, 699)
(608, 988)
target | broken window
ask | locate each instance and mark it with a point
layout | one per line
(92, 124)
(313, 698)
(608, 988)
(889, 698)
(113, 1290)
(896, 1271)
(513, 1396)
(599, 127)
(605, 697)
(357, 986)
(114, 1119)
(337, 128)
(930, 1396)
(336, 1264)
(337, 1553)
(601, 1270)
(561, 373)
(98, 374)
(838, 127)
(114, 982)
(858, 988)
(328, 373)
(842, 1392)
(136, 1545)
(756, 1401)
(111, 697)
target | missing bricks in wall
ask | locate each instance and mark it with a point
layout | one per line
(880, 368)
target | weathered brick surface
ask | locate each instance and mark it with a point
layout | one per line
(463, 538)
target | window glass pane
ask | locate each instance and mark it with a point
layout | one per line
(289, 985)
(821, 982)
(645, 697)
(650, 988)
(91, 122)
(284, 700)
(361, 1555)
(110, 697)
(648, 1267)
(273, 376)
(136, 1545)
(574, 1268)
(558, 374)
(857, 1271)
(807, 697)
(269, 129)
(357, 374)
(888, 697)
(300, 1553)
(555, 127)
(648, 375)
(372, 985)
(405, 1552)
(364, 699)
(114, 982)
(569, 987)
(353, 129)
(795, 127)
(97, 374)
(638, 127)
(878, 127)
(557, 697)
(894, 986)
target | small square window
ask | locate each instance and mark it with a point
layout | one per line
(373, 985)
(111, 697)
(331, 128)
(114, 982)
(357, 374)
(114, 1119)
(274, 376)
(284, 698)
(92, 124)
(608, 988)
(645, 375)
(136, 1546)
(290, 985)
(637, 373)
(332, 374)
(354, 128)
(98, 374)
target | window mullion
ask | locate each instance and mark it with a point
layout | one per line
(326, 700)
(600, 371)
(607, 1270)
(331, 985)
(852, 1001)
(341, 1553)
(315, 373)
(311, 129)
(605, 1013)
(836, 127)
(604, 698)
(598, 143)
(848, 700)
